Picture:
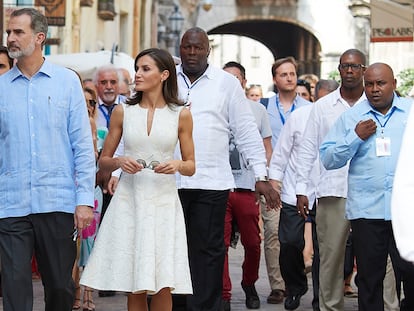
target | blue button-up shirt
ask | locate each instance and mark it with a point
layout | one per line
(370, 177)
(47, 160)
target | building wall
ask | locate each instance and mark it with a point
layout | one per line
(85, 31)
(135, 28)
(336, 31)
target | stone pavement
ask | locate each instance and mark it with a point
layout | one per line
(118, 302)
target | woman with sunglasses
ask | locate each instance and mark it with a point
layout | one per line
(87, 235)
(90, 96)
(141, 247)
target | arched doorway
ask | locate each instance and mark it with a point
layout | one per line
(282, 38)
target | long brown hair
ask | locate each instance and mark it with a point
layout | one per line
(163, 61)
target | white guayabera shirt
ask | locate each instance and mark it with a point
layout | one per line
(402, 210)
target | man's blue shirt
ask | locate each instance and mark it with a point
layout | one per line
(370, 176)
(47, 161)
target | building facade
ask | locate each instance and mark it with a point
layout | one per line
(315, 32)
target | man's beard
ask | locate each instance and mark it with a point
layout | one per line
(24, 52)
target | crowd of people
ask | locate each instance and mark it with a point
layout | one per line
(141, 191)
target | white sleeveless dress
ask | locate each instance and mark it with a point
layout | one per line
(141, 244)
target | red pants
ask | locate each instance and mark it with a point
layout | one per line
(242, 207)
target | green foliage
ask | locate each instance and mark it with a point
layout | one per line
(405, 81)
(334, 75)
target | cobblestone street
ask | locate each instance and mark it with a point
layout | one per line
(118, 302)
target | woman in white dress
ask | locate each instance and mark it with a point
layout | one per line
(141, 246)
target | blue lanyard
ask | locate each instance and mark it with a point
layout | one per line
(282, 118)
(386, 121)
(107, 113)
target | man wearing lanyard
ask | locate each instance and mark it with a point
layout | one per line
(107, 88)
(368, 137)
(279, 108)
(218, 106)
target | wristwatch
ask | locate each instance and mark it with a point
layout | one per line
(261, 178)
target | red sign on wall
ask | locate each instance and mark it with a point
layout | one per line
(391, 22)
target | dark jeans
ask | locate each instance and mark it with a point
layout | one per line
(204, 212)
(49, 237)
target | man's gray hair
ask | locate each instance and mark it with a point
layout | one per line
(105, 68)
(39, 21)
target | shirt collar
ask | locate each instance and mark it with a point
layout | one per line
(119, 99)
(397, 103)
(208, 73)
(46, 69)
(340, 100)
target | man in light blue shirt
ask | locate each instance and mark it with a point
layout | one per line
(368, 136)
(47, 168)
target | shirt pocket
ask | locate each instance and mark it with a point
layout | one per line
(4, 119)
(58, 113)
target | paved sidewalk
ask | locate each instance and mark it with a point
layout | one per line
(118, 302)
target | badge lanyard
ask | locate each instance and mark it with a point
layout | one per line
(108, 112)
(282, 118)
(383, 144)
(385, 123)
(187, 102)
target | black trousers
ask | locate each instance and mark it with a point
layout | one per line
(315, 260)
(292, 242)
(349, 257)
(49, 237)
(373, 240)
(204, 212)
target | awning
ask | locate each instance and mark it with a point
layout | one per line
(87, 63)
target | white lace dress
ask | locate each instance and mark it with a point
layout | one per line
(141, 244)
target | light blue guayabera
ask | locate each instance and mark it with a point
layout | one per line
(370, 177)
(47, 160)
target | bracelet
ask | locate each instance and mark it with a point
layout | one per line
(261, 178)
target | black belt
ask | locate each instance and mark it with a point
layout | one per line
(241, 190)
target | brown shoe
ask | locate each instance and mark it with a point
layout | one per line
(276, 296)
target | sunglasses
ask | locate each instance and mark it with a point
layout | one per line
(152, 165)
(92, 102)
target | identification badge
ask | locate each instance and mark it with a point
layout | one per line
(383, 146)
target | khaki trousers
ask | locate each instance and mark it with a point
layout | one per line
(271, 245)
(332, 230)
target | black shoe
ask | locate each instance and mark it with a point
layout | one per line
(292, 302)
(252, 299)
(225, 305)
(106, 293)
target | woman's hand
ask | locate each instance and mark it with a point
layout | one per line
(129, 165)
(169, 167)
